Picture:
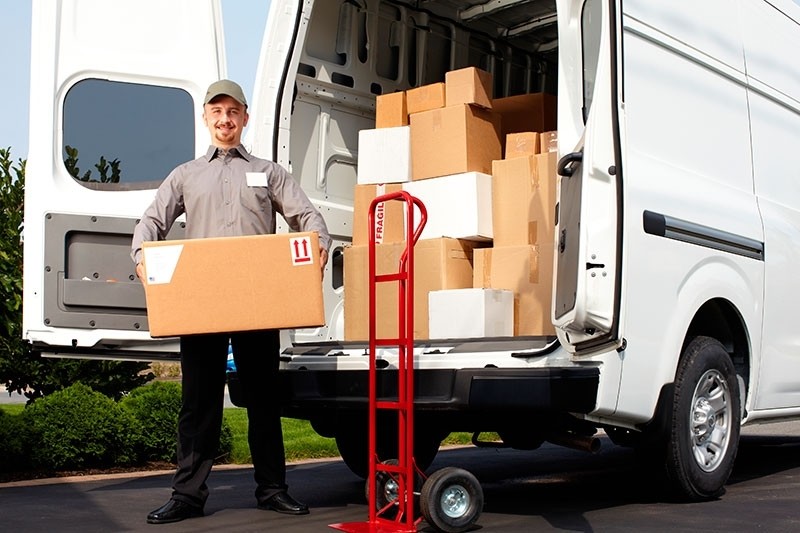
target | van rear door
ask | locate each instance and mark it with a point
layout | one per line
(589, 212)
(115, 94)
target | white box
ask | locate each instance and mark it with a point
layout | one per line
(459, 206)
(384, 155)
(470, 313)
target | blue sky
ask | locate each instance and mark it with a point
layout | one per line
(243, 21)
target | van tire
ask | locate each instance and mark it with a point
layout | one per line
(353, 442)
(704, 434)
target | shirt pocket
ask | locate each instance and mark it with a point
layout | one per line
(256, 199)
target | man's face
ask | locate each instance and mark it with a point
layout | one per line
(225, 119)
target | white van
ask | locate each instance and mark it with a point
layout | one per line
(677, 216)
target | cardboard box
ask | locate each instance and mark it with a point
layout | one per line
(384, 155)
(524, 199)
(233, 284)
(458, 206)
(528, 272)
(438, 264)
(391, 110)
(425, 98)
(521, 144)
(453, 140)
(548, 141)
(527, 112)
(389, 216)
(468, 86)
(470, 313)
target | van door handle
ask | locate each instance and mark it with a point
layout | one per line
(568, 164)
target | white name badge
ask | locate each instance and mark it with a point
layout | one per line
(256, 179)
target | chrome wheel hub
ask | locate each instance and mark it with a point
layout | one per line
(710, 420)
(455, 501)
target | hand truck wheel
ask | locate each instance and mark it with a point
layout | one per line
(451, 500)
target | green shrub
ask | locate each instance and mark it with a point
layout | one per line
(225, 443)
(79, 428)
(156, 406)
(13, 448)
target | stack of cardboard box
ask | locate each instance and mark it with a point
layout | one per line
(521, 259)
(439, 142)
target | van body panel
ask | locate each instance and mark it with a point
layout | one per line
(676, 117)
(774, 100)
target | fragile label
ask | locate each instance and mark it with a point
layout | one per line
(301, 251)
(380, 215)
(160, 263)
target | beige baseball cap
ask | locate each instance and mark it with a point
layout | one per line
(226, 87)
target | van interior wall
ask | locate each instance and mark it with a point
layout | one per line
(357, 49)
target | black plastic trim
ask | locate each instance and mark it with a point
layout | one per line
(312, 393)
(690, 232)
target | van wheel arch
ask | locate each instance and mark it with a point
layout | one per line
(720, 319)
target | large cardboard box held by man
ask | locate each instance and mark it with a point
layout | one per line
(438, 264)
(233, 284)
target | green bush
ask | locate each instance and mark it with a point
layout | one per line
(79, 428)
(156, 406)
(225, 443)
(13, 448)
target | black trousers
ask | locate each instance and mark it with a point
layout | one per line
(203, 362)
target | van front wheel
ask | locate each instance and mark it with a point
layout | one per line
(704, 434)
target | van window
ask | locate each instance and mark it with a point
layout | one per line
(591, 27)
(123, 136)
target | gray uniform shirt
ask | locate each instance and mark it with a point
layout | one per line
(214, 192)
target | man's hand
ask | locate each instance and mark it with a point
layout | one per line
(323, 260)
(140, 272)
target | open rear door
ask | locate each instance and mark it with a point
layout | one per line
(586, 294)
(116, 89)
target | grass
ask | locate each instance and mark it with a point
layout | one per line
(12, 408)
(300, 440)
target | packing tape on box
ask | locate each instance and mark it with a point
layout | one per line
(533, 265)
(533, 234)
(486, 275)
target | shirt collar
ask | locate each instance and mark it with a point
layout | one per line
(213, 151)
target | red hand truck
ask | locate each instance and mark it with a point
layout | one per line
(451, 499)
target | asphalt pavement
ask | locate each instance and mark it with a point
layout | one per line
(549, 489)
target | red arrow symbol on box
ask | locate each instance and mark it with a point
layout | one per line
(304, 255)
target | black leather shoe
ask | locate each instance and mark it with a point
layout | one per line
(173, 511)
(283, 503)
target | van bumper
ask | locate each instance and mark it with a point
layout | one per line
(311, 393)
